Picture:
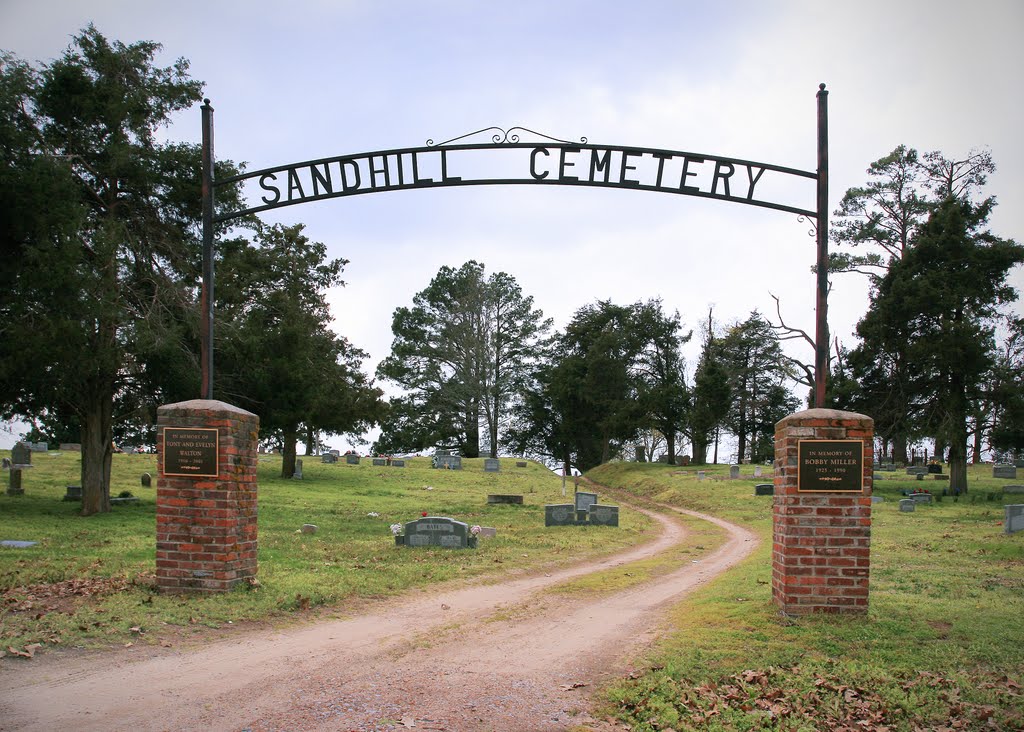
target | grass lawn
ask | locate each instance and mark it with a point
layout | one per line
(90, 581)
(942, 646)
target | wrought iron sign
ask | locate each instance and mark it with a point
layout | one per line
(508, 159)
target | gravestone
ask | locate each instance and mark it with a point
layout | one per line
(1014, 519)
(309, 528)
(701, 475)
(907, 505)
(998, 471)
(438, 531)
(757, 471)
(663, 459)
(492, 465)
(560, 514)
(877, 476)
(379, 462)
(14, 482)
(734, 471)
(397, 463)
(488, 532)
(39, 446)
(14, 544)
(510, 499)
(601, 515)
(764, 489)
(914, 470)
(5, 463)
(336, 453)
(684, 460)
(70, 447)
(146, 480)
(73, 493)
(921, 497)
(878, 499)
(520, 463)
(1019, 463)
(352, 459)
(297, 475)
(329, 458)
(445, 461)
(21, 454)
(1014, 489)
(585, 500)
(934, 469)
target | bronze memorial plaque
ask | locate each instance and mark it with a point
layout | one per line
(830, 466)
(190, 451)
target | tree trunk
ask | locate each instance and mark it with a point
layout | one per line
(958, 466)
(940, 450)
(288, 452)
(899, 449)
(310, 440)
(471, 446)
(97, 449)
(976, 452)
(700, 449)
(717, 432)
(670, 442)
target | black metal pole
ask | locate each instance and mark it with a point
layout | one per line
(206, 324)
(821, 329)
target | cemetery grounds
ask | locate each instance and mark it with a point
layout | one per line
(942, 646)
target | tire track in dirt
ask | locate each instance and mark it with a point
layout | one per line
(436, 659)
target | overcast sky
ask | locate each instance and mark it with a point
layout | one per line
(304, 79)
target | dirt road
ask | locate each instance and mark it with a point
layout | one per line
(505, 656)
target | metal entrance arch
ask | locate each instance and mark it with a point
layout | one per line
(546, 161)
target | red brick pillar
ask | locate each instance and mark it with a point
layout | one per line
(821, 554)
(205, 496)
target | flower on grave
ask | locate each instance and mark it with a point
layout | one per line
(396, 529)
(474, 530)
(373, 514)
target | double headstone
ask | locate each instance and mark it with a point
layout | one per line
(444, 460)
(352, 459)
(438, 531)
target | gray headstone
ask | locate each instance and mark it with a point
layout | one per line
(907, 505)
(74, 493)
(1019, 463)
(600, 515)
(437, 531)
(40, 446)
(878, 499)
(1014, 519)
(297, 475)
(397, 463)
(734, 471)
(329, 458)
(309, 528)
(920, 476)
(352, 459)
(914, 470)
(444, 461)
(560, 514)
(1013, 489)
(492, 465)
(764, 489)
(488, 532)
(505, 498)
(520, 463)
(70, 447)
(585, 500)
(14, 544)
(921, 497)
(998, 471)
(146, 480)
(876, 476)
(14, 483)
(757, 471)
(701, 475)
(21, 454)
(379, 462)
(336, 453)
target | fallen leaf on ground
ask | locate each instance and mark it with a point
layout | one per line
(574, 685)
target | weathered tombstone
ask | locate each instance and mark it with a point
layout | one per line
(520, 463)
(934, 468)
(560, 514)
(585, 500)
(920, 476)
(14, 482)
(329, 458)
(297, 475)
(70, 447)
(352, 459)
(379, 462)
(40, 446)
(685, 460)
(1018, 463)
(701, 475)
(14, 544)
(734, 471)
(445, 461)
(488, 532)
(600, 515)
(757, 471)
(73, 493)
(505, 498)
(397, 463)
(877, 476)
(1014, 519)
(878, 499)
(492, 465)
(907, 505)
(998, 471)
(21, 454)
(1014, 489)
(764, 489)
(309, 528)
(336, 453)
(921, 497)
(146, 480)
(438, 531)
